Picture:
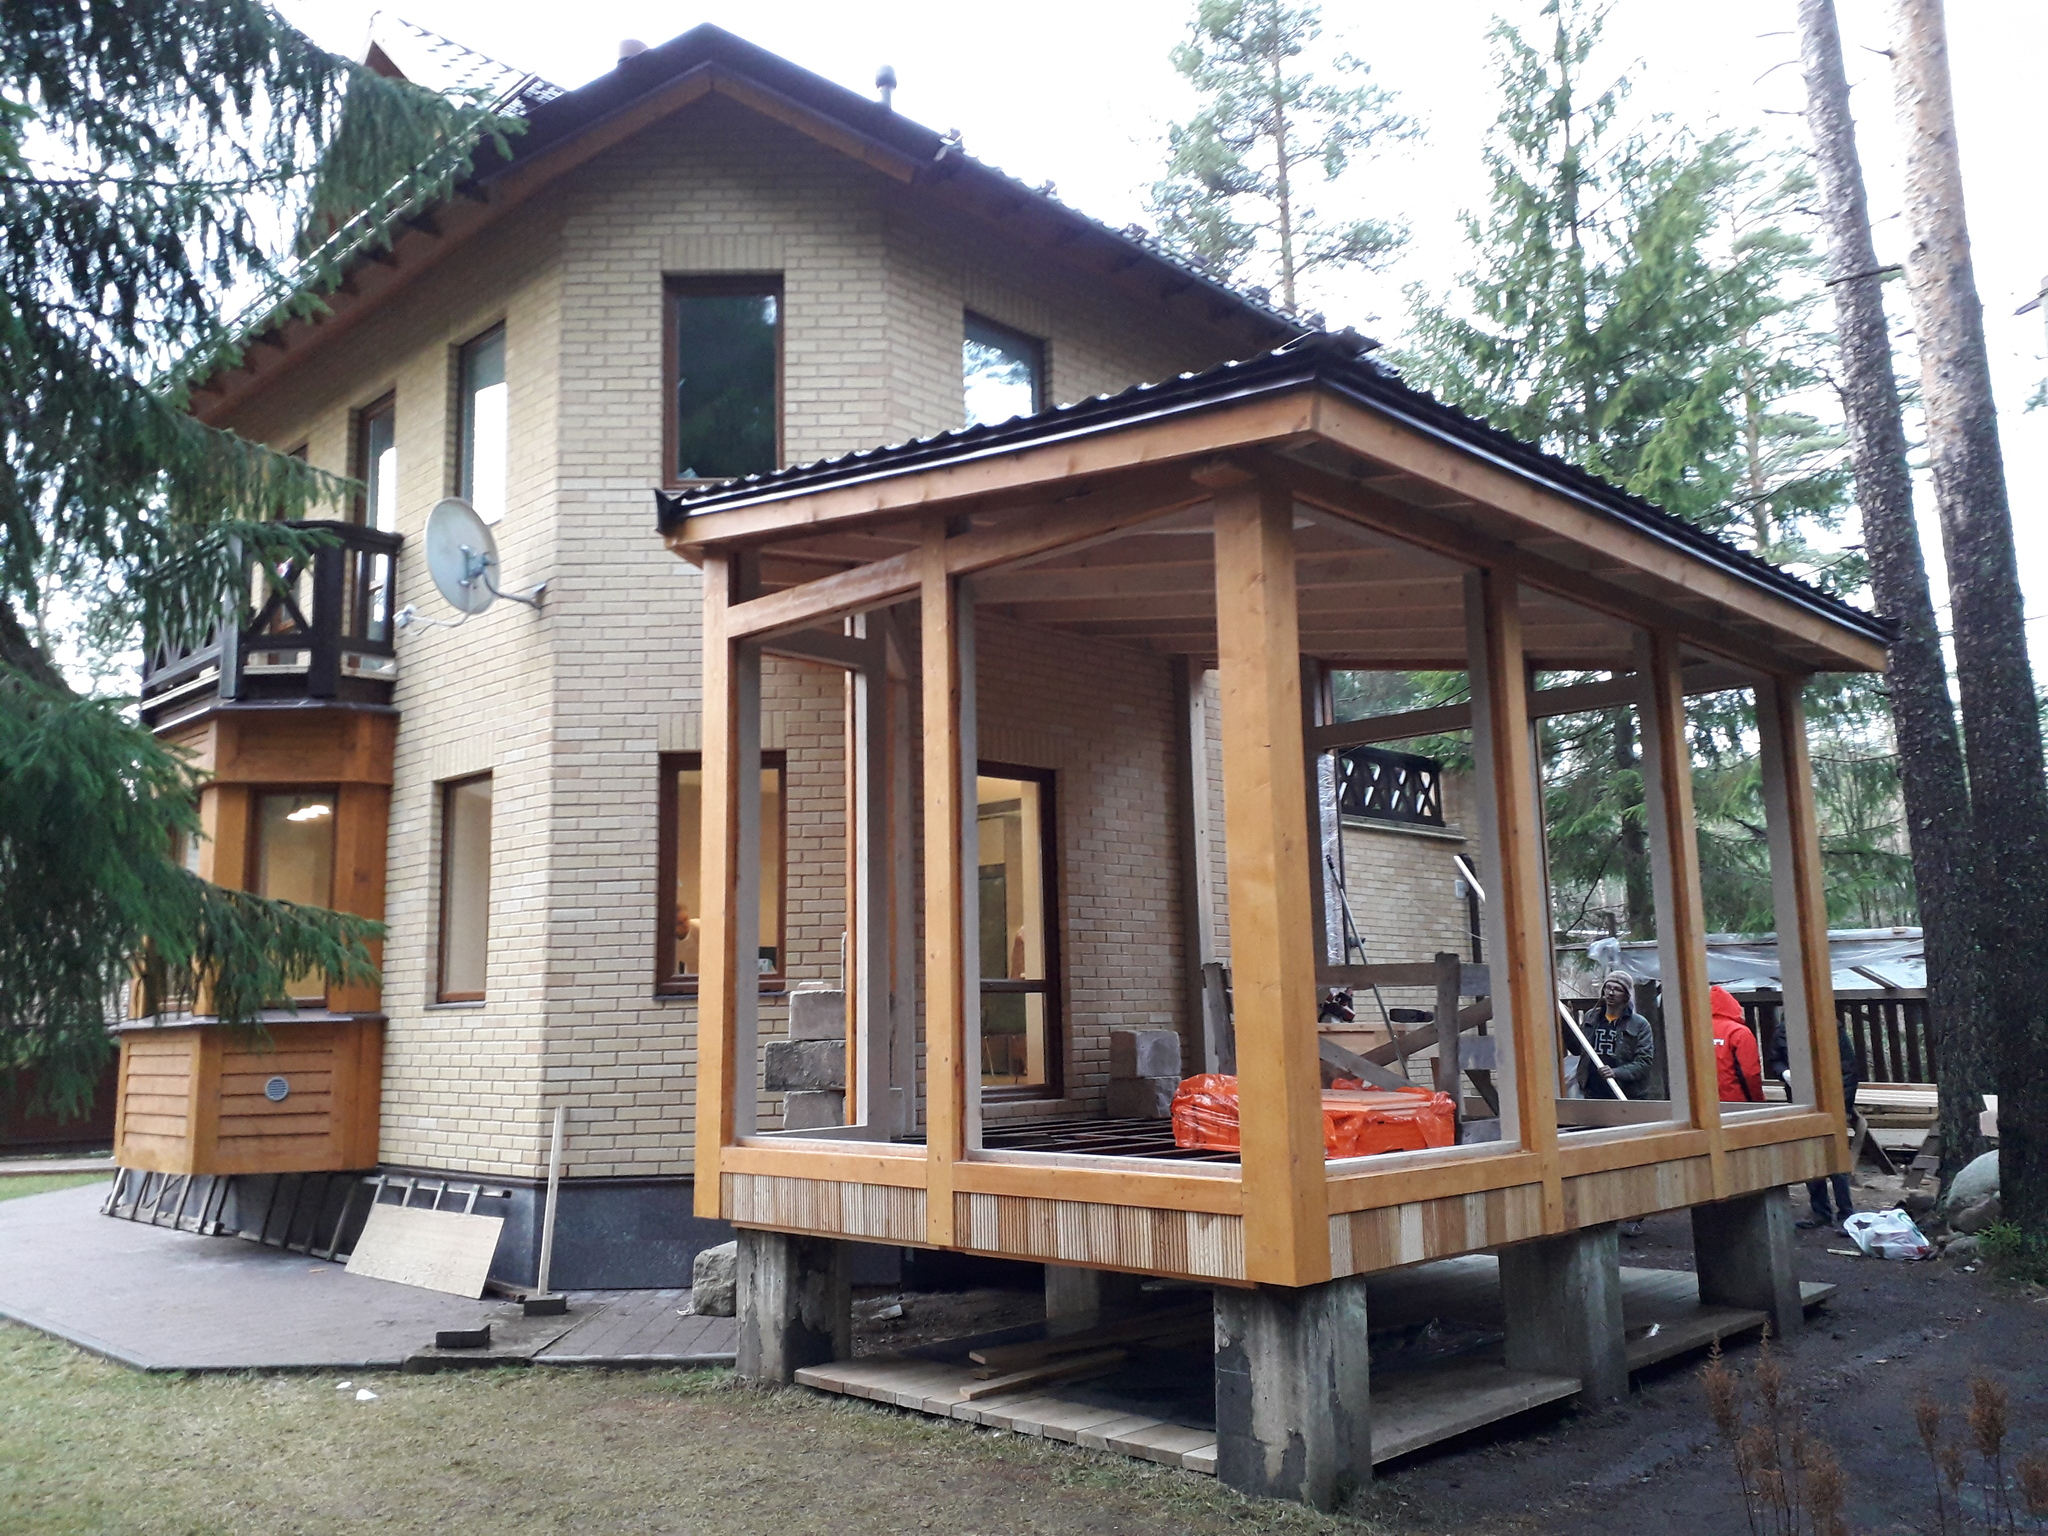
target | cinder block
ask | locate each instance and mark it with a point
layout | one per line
(813, 1109)
(805, 1064)
(1141, 1098)
(817, 1015)
(1144, 1053)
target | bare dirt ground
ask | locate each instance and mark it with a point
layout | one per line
(91, 1447)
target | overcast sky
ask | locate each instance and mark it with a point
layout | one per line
(1079, 92)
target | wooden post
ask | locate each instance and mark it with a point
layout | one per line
(728, 991)
(869, 1100)
(1201, 1031)
(362, 827)
(951, 1048)
(1449, 974)
(1511, 821)
(901, 890)
(1681, 910)
(1265, 805)
(1808, 1013)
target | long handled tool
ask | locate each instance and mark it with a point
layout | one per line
(1586, 1046)
(1352, 942)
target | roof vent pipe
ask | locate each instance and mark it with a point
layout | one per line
(630, 47)
(885, 82)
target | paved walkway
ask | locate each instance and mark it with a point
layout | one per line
(171, 1301)
(38, 1167)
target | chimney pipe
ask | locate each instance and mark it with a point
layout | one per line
(885, 82)
(630, 47)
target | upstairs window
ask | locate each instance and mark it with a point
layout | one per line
(1003, 371)
(679, 943)
(485, 404)
(724, 346)
(376, 463)
(465, 889)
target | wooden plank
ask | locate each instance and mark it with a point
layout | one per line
(1096, 1363)
(949, 802)
(1266, 819)
(1165, 1190)
(435, 1250)
(1089, 1339)
(870, 1164)
(1511, 818)
(1413, 1409)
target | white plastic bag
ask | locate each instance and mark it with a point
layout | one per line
(1887, 1235)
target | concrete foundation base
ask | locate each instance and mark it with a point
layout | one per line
(1293, 1403)
(1072, 1292)
(1742, 1249)
(1562, 1297)
(795, 1304)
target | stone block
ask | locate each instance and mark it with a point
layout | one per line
(1293, 1406)
(1141, 1098)
(813, 1109)
(806, 1064)
(1144, 1053)
(714, 1280)
(817, 1014)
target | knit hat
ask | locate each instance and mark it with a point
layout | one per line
(1628, 987)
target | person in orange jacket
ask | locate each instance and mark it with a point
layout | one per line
(1736, 1058)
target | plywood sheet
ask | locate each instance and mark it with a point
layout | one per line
(435, 1250)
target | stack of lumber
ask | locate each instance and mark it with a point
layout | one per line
(1084, 1352)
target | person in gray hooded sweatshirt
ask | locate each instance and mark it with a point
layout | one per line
(1623, 1039)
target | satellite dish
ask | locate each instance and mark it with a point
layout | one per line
(462, 557)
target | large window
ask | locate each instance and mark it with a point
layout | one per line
(465, 889)
(291, 858)
(1003, 371)
(678, 955)
(724, 346)
(485, 416)
(376, 463)
(1019, 945)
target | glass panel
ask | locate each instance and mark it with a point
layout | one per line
(725, 398)
(1002, 371)
(1015, 974)
(466, 888)
(378, 466)
(689, 825)
(295, 861)
(378, 626)
(486, 407)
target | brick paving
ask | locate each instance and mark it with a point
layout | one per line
(171, 1301)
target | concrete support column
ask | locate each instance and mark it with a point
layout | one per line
(1562, 1296)
(1293, 1401)
(1074, 1292)
(1742, 1249)
(795, 1304)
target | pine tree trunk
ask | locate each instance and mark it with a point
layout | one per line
(1635, 838)
(2001, 721)
(1923, 712)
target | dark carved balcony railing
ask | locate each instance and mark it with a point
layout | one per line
(321, 630)
(1390, 786)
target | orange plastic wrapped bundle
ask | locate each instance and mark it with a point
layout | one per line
(1356, 1121)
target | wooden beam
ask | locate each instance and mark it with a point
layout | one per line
(1681, 910)
(1511, 822)
(1798, 892)
(948, 803)
(1021, 535)
(1265, 810)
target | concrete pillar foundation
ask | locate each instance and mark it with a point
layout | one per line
(1562, 1296)
(1075, 1292)
(1293, 1398)
(795, 1304)
(1743, 1251)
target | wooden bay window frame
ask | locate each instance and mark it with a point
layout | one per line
(671, 837)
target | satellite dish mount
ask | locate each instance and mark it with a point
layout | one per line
(462, 557)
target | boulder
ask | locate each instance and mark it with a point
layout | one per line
(1971, 1219)
(714, 1278)
(1978, 1179)
(1917, 1202)
(1964, 1248)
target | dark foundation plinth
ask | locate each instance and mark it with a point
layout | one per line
(1293, 1391)
(1743, 1251)
(1562, 1299)
(795, 1304)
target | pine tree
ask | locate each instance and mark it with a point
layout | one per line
(1242, 173)
(155, 156)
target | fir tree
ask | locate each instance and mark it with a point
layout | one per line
(155, 157)
(1243, 172)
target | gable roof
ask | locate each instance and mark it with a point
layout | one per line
(566, 128)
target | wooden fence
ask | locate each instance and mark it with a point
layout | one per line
(1891, 1035)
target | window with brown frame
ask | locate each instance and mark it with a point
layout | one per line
(291, 858)
(1002, 371)
(374, 461)
(464, 964)
(1021, 1049)
(722, 360)
(677, 962)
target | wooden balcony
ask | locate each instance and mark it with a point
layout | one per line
(321, 632)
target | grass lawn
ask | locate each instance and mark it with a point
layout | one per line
(14, 1186)
(86, 1446)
